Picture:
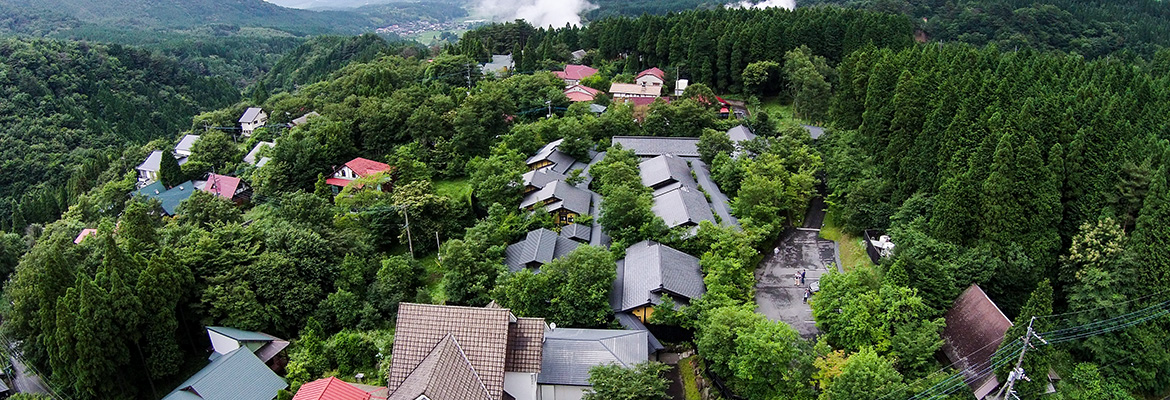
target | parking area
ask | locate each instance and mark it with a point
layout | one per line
(778, 296)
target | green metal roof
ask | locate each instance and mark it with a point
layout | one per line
(238, 375)
(170, 198)
(241, 335)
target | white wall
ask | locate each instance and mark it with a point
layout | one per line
(560, 392)
(521, 385)
(649, 80)
(221, 343)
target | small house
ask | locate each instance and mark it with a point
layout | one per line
(536, 179)
(634, 90)
(650, 146)
(579, 54)
(85, 233)
(573, 74)
(228, 187)
(551, 157)
(564, 201)
(577, 232)
(254, 157)
(224, 340)
(183, 149)
(357, 168)
(680, 86)
(579, 93)
(569, 354)
(236, 375)
(170, 198)
(651, 77)
(651, 270)
(254, 117)
(499, 65)
(539, 247)
(148, 170)
(332, 388)
(304, 119)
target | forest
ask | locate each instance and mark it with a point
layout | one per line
(1036, 173)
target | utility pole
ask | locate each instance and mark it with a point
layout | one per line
(1018, 371)
(409, 241)
(469, 79)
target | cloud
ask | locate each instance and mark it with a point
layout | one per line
(539, 13)
(789, 4)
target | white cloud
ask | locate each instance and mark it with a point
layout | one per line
(789, 4)
(539, 13)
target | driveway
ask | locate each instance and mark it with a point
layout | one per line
(24, 379)
(778, 297)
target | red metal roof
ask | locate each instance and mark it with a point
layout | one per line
(652, 71)
(574, 93)
(365, 167)
(84, 234)
(222, 185)
(575, 72)
(338, 182)
(330, 389)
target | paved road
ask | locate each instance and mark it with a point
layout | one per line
(24, 380)
(778, 296)
(719, 201)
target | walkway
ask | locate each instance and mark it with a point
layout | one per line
(719, 201)
(778, 297)
(24, 379)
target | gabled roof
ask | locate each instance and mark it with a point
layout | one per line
(544, 152)
(578, 93)
(222, 185)
(579, 54)
(682, 206)
(650, 146)
(578, 232)
(651, 268)
(366, 167)
(629, 321)
(170, 199)
(251, 115)
(185, 143)
(653, 71)
(251, 157)
(570, 353)
(665, 169)
(567, 197)
(444, 374)
(541, 177)
(241, 335)
(84, 234)
(482, 335)
(304, 119)
(238, 375)
(153, 161)
(740, 133)
(575, 72)
(330, 389)
(975, 328)
(561, 162)
(636, 89)
(539, 246)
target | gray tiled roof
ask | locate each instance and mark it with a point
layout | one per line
(629, 321)
(566, 196)
(740, 134)
(304, 119)
(665, 169)
(445, 374)
(650, 146)
(545, 151)
(541, 177)
(237, 375)
(651, 268)
(539, 246)
(185, 144)
(814, 132)
(251, 157)
(561, 162)
(682, 206)
(498, 63)
(570, 353)
(578, 232)
(153, 161)
(250, 114)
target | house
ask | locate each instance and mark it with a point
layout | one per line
(254, 157)
(499, 65)
(569, 354)
(573, 74)
(597, 109)
(171, 198)
(683, 206)
(148, 170)
(578, 232)
(634, 90)
(651, 270)
(84, 234)
(253, 118)
(740, 134)
(183, 149)
(224, 340)
(630, 322)
(539, 247)
(665, 170)
(550, 156)
(536, 179)
(579, 54)
(578, 93)
(331, 389)
(561, 199)
(650, 146)
(357, 168)
(304, 119)
(228, 187)
(236, 375)
(651, 77)
(680, 86)
(472, 353)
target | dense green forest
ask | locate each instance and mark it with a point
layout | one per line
(319, 57)
(69, 108)
(1089, 28)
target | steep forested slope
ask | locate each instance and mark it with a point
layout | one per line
(319, 57)
(68, 105)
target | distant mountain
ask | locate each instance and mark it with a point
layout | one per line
(327, 4)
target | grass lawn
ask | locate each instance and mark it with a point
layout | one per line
(775, 109)
(454, 188)
(686, 370)
(852, 247)
(434, 278)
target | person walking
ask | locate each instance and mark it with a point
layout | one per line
(802, 271)
(796, 279)
(807, 292)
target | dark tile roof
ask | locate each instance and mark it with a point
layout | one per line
(570, 353)
(562, 195)
(975, 328)
(650, 146)
(545, 152)
(740, 133)
(540, 246)
(483, 335)
(650, 269)
(237, 375)
(445, 373)
(629, 321)
(578, 232)
(682, 206)
(665, 169)
(541, 177)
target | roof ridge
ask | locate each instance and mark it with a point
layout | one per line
(469, 366)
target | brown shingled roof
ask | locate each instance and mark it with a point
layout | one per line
(492, 339)
(975, 328)
(445, 374)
